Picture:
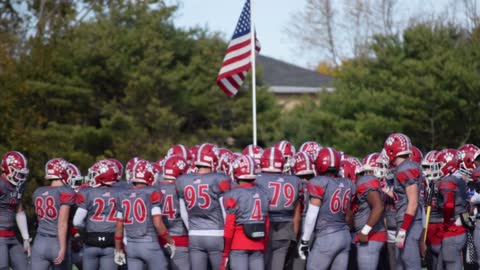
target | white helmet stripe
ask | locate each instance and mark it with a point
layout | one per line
(200, 149)
(271, 158)
(332, 157)
(184, 151)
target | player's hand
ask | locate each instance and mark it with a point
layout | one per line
(363, 238)
(119, 257)
(60, 256)
(303, 249)
(170, 249)
(26, 247)
(400, 239)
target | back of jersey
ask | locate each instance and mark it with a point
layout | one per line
(100, 203)
(201, 193)
(9, 199)
(171, 209)
(366, 184)
(134, 207)
(336, 195)
(248, 204)
(47, 201)
(283, 192)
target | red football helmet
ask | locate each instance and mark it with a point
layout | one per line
(244, 168)
(466, 157)
(75, 178)
(447, 162)
(254, 151)
(14, 167)
(286, 147)
(376, 164)
(143, 173)
(303, 164)
(430, 166)
(173, 167)
(416, 155)
(207, 156)
(397, 144)
(350, 168)
(56, 169)
(159, 164)
(129, 167)
(103, 172)
(157, 169)
(328, 160)
(119, 167)
(311, 148)
(180, 150)
(272, 160)
(224, 162)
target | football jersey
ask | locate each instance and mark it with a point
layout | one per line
(10, 197)
(406, 174)
(336, 195)
(47, 201)
(100, 203)
(305, 200)
(201, 193)
(248, 204)
(459, 188)
(134, 207)
(171, 209)
(436, 214)
(283, 191)
(366, 184)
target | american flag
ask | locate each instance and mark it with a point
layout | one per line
(237, 61)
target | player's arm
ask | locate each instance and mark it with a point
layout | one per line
(375, 203)
(81, 212)
(22, 225)
(297, 217)
(412, 204)
(311, 218)
(161, 228)
(183, 212)
(118, 233)
(62, 232)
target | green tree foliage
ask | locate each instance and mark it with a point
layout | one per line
(424, 83)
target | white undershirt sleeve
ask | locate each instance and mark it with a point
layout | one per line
(78, 219)
(310, 220)
(183, 213)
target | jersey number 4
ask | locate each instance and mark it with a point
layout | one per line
(337, 203)
(45, 207)
(287, 190)
(168, 208)
(201, 192)
(100, 206)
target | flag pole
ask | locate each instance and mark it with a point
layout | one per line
(254, 85)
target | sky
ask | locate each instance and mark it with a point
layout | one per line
(271, 19)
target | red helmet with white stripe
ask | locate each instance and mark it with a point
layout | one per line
(311, 148)
(272, 160)
(244, 168)
(396, 145)
(350, 168)
(119, 167)
(207, 156)
(429, 165)
(328, 160)
(416, 155)
(225, 160)
(129, 167)
(75, 178)
(173, 167)
(180, 150)
(467, 154)
(286, 148)
(376, 164)
(447, 162)
(254, 151)
(303, 164)
(103, 172)
(56, 169)
(14, 167)
(143, 173)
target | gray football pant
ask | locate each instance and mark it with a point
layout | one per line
(275, 254)
(204, 248)
(148, 253)
(181, 259)
(12, 255)
(368, 255)
(452, 252)
(95, 258)
(330, 251)
(408, 258)
(436, 256)
(246, 260)
(44, 251)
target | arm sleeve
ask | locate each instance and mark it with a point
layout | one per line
(79, 217)
(183, 212)
(224, 214)
(310, 220)
(22, 225)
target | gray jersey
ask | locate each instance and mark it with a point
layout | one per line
(100, 204)
(134, 207)
(201, 193)
(283, 191)
(336, 195)
(47, 201)
(406, 174)
(248, 204)
(458, 187)
(10, 197)
(436, 214)
(171, 209)
(366, 184)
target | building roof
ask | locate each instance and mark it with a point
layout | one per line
(285, 78)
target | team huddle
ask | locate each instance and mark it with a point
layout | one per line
(206, 207)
